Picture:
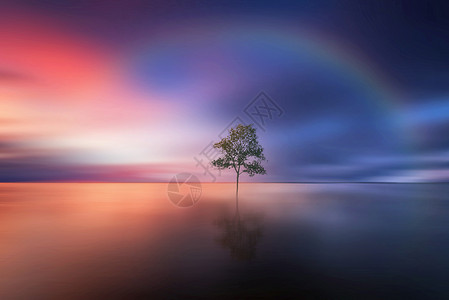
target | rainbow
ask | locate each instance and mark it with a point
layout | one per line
(351, 65)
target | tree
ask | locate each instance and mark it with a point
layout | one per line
(240, 150)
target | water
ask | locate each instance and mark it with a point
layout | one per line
(128, 241)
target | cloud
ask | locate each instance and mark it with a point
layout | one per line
(8, 76)
(428, 113)
(19, 162)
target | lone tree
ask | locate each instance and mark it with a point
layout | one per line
(240, 151)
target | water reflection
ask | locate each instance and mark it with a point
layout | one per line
(240, 235)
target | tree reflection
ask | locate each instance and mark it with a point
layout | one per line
(240, 235)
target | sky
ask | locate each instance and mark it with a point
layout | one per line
(136, 91)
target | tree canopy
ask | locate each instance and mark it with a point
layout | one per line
(241, 151)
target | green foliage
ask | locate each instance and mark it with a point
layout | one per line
(240, 151)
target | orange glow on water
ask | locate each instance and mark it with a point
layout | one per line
(60, 239)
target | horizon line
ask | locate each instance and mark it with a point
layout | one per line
(233, 182)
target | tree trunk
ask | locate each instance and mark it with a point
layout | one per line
(237, 194)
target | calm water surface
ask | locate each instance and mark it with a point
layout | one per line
(128, 241)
